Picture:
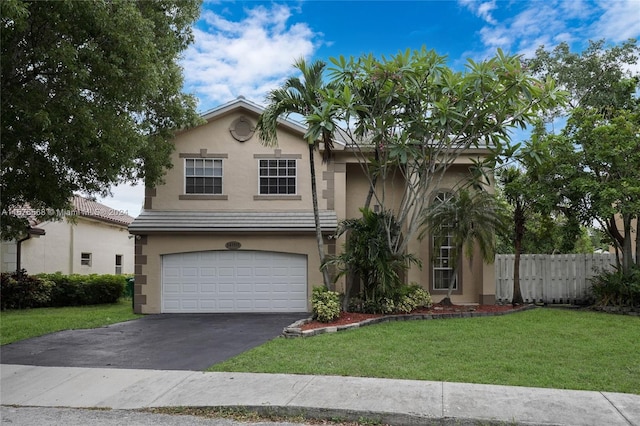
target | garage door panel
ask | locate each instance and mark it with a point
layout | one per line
(234, 281)
(208, 288)
(208, 272)
(226, 272)
(262, 288)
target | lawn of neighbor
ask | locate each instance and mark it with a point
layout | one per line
(551, 348)
(22, 324)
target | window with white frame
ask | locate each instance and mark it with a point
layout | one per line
(85, 259)
(444, 253)
(277, 177)
(203, 175)
(118, 264)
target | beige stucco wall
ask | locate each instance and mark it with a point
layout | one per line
(477, 278)
(240, 169)
(151, 248)
(61, 247)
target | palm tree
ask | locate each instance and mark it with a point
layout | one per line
(466, 220)
(306, 97)
(519, 191)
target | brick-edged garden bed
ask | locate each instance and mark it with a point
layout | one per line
(348, 321)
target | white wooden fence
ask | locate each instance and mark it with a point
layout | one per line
(563, 278)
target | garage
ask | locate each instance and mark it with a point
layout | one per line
(234, 281)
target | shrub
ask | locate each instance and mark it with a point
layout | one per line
(22, 291)
(406, 304)
(617, 288)
(420, 296)
(406, 299)
(325, 304)
(77, 290)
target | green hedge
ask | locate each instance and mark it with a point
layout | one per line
(21, 291)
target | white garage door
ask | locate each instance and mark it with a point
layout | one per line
(234, 281)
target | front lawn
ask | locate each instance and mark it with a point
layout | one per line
(22, 324)
(541, 348)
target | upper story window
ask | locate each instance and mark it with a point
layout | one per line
(277, 177)
(203, 176)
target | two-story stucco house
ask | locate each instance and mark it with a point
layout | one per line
(231, 229)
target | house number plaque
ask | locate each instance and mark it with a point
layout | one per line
(233, 245)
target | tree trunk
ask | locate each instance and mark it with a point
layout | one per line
(367, 202)
(638, 240)
(372, 186)
(454, 278)
(519, 229)
(348, 286)
(627, 254)
(316, 216)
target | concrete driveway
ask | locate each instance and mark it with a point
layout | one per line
(158, 342)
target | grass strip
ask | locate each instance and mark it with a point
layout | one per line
(23, 324)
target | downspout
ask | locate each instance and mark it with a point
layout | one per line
(71, 241)
(19, 253)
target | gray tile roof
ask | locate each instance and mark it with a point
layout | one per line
(234, 221)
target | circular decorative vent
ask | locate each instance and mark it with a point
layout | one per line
(233, 245)
(242, 129)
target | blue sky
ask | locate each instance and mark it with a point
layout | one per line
(247, 47)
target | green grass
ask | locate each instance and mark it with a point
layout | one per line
(541, 348)
(22, 324)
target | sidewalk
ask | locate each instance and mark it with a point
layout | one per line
(396, 402)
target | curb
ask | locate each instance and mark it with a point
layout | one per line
(295, 330)
(372, 417)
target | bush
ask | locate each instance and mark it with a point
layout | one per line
(325, 304)
(616, 288)
(78, 290)
(22, 291)
(420, 296)
(405, 300)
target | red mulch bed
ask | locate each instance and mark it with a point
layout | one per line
(353, 317)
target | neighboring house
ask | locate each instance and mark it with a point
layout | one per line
(231, 229)
(91, 239)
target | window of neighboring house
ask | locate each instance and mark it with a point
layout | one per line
(442, 245)
(85, 259)
(277, 177)
(203, 176)
(118, 264)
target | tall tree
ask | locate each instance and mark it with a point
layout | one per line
(597, 163)
(304, 96)
(408, 118)
(91, 96)
(604, 183)
(600, 77)
(465, 220)
(518, 190)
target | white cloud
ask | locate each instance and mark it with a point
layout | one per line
(481, 9)
(619, 21)
(246, 57)
(553, 22)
